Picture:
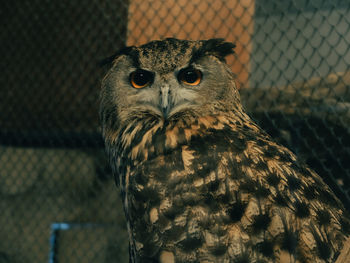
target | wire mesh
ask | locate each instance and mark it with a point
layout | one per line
(292, 65)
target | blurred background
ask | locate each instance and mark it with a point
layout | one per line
(58, 199)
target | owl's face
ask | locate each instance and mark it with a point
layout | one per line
(166, 77)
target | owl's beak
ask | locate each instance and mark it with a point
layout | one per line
(165, 101)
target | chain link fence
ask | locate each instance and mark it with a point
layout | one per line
(58, 200)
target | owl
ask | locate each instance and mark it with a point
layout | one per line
(199, 180)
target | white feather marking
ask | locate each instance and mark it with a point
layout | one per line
(166, 257)
(187, 156)
(153, 215)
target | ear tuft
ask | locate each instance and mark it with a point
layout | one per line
(109, 60)
(216, 47)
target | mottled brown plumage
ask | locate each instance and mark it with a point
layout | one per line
(200, 181)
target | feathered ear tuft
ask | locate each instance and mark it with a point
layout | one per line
(216, 47)
(109, 60)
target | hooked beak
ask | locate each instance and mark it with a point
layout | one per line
(165, 100)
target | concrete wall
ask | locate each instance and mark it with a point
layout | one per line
(297, 46)
(41, 186)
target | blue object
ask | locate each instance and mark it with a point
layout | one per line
(55, 227)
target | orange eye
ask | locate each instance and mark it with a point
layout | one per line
(190, 76)
(141, 78)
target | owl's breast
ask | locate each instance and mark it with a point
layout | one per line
(171, 177)
(169, 202)
(177, 156)
(215, 190)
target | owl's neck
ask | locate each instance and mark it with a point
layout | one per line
(150, 136)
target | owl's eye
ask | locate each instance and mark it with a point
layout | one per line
(190, 76)
(141, 78)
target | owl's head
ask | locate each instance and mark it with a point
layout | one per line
(168, 77)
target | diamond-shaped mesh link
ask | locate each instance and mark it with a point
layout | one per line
(292, 64)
